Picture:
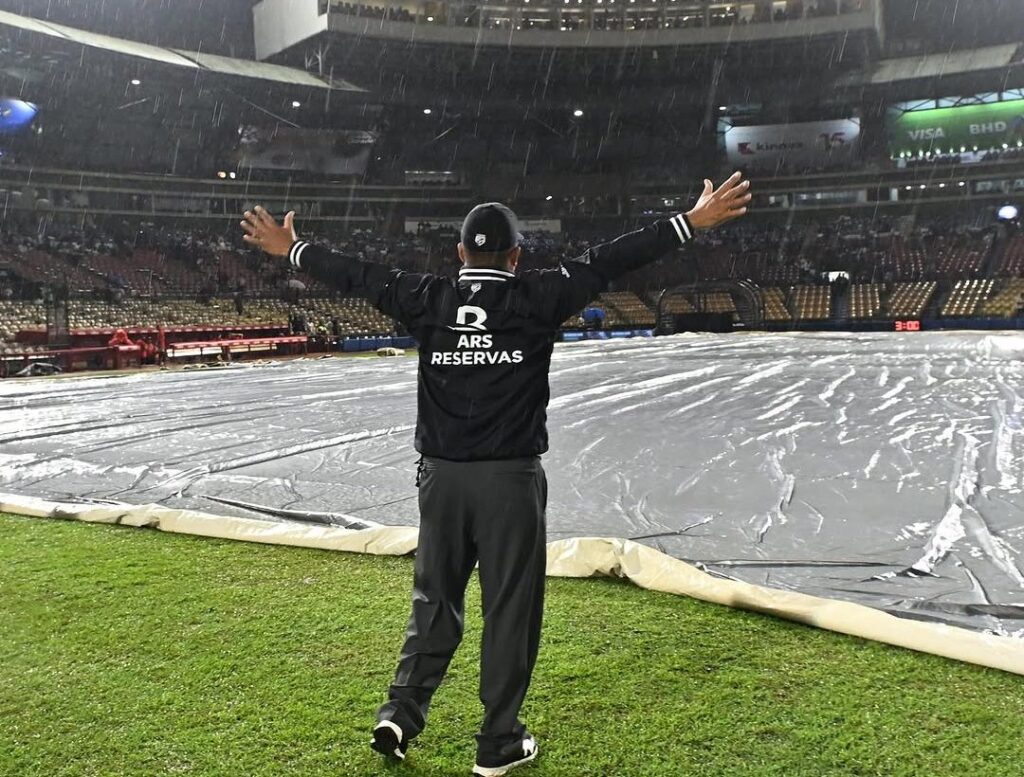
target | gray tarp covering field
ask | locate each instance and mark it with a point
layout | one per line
(881, 469)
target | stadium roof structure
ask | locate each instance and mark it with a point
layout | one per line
(177, 57)
(889, 71)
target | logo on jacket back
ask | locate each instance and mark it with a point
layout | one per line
(474, 349)
(469, 318)
(480, 239)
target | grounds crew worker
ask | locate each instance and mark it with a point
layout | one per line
(485, 341)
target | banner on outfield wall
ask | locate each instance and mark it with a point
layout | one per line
(955, 130)
(328, 152)
(806, 143)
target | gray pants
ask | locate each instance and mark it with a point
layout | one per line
(491, 512)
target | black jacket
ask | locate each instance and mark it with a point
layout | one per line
(486, 337)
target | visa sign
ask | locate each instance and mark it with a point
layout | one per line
(943, 129)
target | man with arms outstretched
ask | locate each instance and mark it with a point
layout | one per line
(485, 342)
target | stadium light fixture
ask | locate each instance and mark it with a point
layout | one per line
(577, 113)
(723, 107)
(1008, 213)
(942, 186)
(908, 188)
(221, 174)
(296, 104)
(922, 186)
(136, 82)
(232, 175)
(549, 198)
(427, 111)
(962, 183)
(1005, 146)
(431, 18)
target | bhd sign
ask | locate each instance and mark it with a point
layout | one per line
(955, 130)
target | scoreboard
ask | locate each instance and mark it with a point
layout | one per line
(907, 326)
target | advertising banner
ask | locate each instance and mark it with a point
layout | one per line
(953, 130)
(813, 143)
(328, 152)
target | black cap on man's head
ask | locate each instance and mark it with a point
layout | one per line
(490, 228)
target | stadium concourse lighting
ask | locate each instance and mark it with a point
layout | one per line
(296, 104)
(427, 111)
(549, 198)
(1008, 213)
(232, 175)
(577, 113)
(222, 174)
(962, 183)
(136, 82)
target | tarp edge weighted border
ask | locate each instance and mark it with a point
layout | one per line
(577, 557)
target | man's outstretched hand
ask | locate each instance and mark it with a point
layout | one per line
(263, 232)
(717, 206)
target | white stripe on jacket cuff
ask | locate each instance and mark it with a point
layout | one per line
(682, 227)
(295, 254)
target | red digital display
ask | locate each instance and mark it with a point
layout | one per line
(908, 326)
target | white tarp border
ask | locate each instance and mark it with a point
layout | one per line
(578, 557)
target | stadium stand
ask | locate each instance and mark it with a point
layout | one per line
(811, 303)
(774, 305)
(908, 300)
(1006, 302)
(1013, 258)
(181, 277)
(966, 296)
(16, 315)
(865, 300)
(676, 304)
(720, 302)
(630, 310)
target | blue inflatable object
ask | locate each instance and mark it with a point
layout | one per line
(16, 115)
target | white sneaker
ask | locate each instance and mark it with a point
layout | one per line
(515, 754)
(388, 740)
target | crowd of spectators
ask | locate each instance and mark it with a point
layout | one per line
(539, 17)
(389, 13)
(207, 265)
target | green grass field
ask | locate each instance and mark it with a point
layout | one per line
(132, 652)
